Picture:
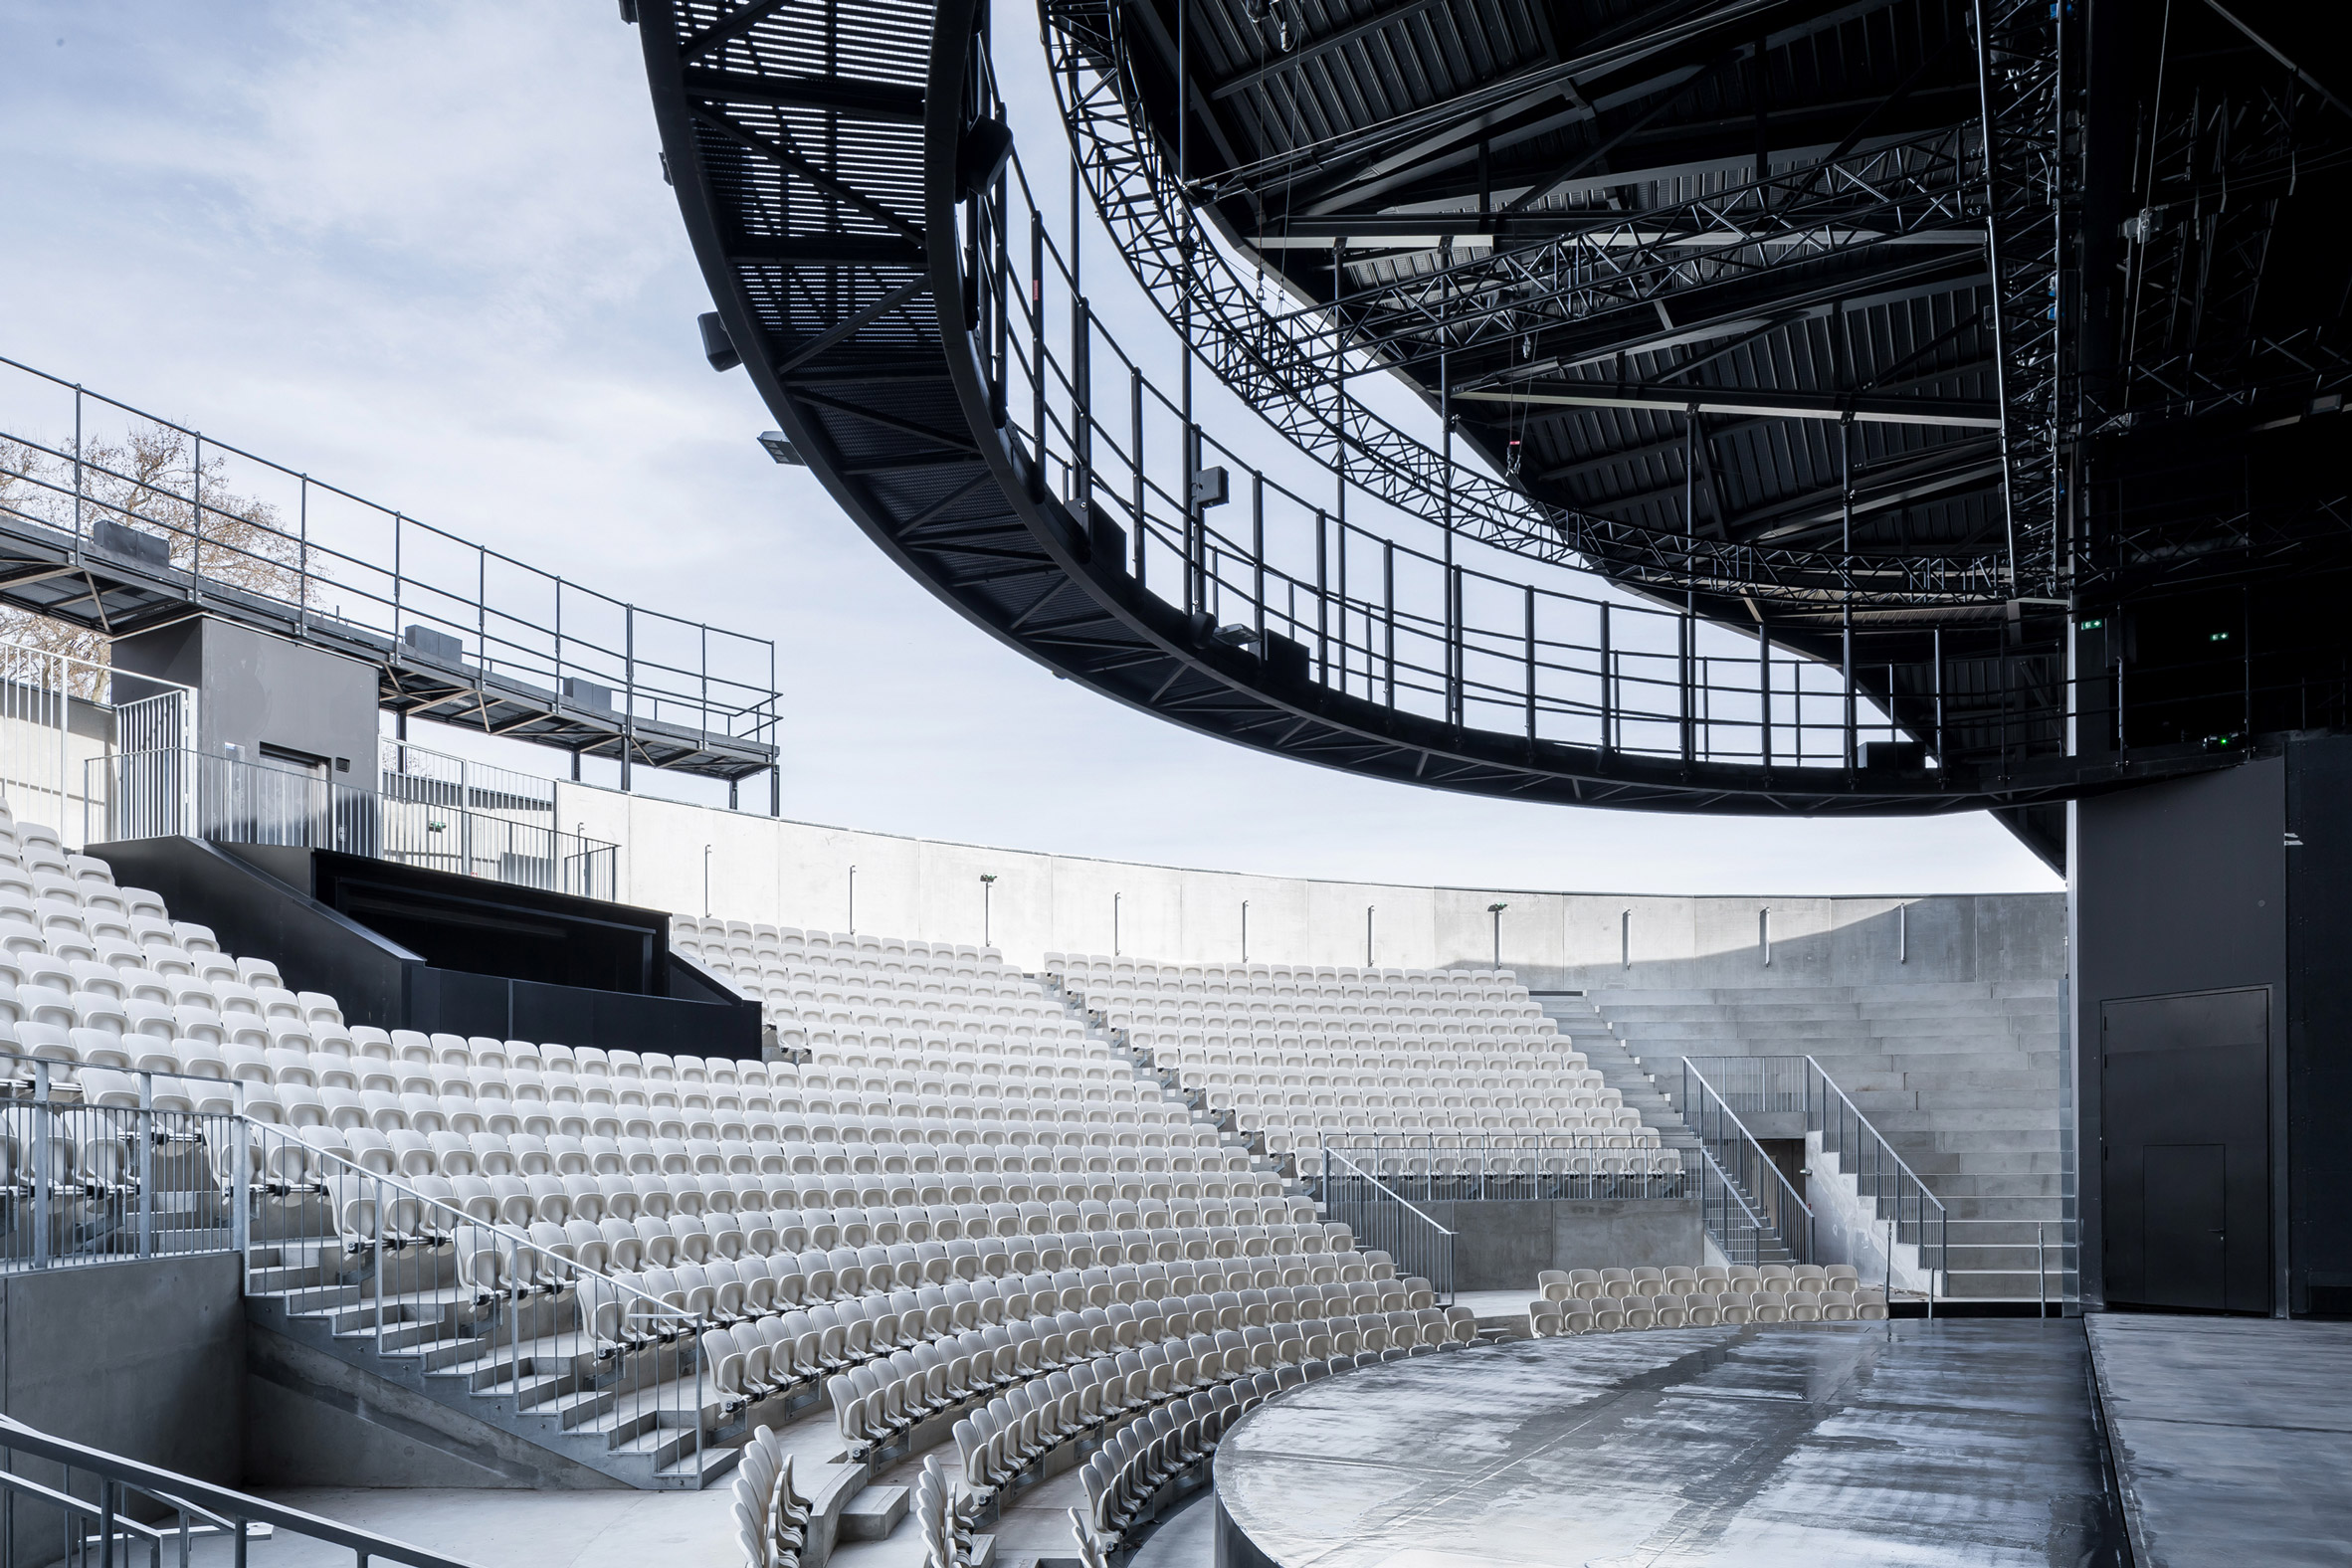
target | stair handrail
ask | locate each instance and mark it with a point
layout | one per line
(1430, 1244)
(1749, 1150)
(1732, 1192)
(236, 1511)
(681, 1326)
(1817, 1117)
(290, 1134)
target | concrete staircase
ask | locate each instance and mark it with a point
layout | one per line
(530, 1379)
(1961, 1079)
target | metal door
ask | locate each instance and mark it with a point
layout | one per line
(2184, 1106)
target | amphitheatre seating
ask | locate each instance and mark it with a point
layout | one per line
(950, 1198)
(1440, 1059)
(1605, 1300)
(951, 1204)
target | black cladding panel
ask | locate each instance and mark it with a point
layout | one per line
(2186, 1163)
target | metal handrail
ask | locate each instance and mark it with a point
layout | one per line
(1757, 1229)
(657, 1323)
(169, 792)
(460, 1217)
(1819, 1072)
(232, 1511)
(1772, 1087)
(1928, 1211)
(1750, 1153)
(1382, 1211)
(309, 571)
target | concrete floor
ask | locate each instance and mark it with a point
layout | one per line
(2231, 1437)
(1911, 1443)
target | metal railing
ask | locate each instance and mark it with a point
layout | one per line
(1891, 1188)
(1380, 1218)
(411, 772)
(59, 712)
(1559, 1166)
(229, 799)
(1801, 1086)
(1731, 1221)
(103, 1164)
(415, 1264)
(2051, 1258)
(137, 1510)
(233, 525)
(1767, 1198)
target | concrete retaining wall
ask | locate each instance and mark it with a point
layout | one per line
(143, 1359)
(796, 873)
(1504, 1244)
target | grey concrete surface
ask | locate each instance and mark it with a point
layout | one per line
(2231, 1437)
(1504, 1245)
(1913, 1443)
(144, 1360)
(315, 1420)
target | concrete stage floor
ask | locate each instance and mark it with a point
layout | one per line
(2231, 1437)
(1907, 1442)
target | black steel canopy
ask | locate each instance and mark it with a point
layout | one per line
(1920, 342)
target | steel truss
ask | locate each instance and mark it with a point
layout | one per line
(2031, 190)
(916, 322)
(1294, 363)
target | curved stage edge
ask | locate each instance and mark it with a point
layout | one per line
(1910, 1442)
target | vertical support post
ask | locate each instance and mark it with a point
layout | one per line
(1455, 637)
(1081, 390)
(241, 1190)
(1136, 458)
(481, 614)
(1322, 598)
(1037, 352)
(1257, 554)
(77, 486)
(1531, 672)
(1608, 690)
(1764, 693)
(1846, 569)
(1936, 652)
(1369, 935)
(1388, 600)
(196, 553)
(629, 700)
(146, 1166)
(302, 559)
(43, 1131)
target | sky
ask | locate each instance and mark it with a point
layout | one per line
(424, 252)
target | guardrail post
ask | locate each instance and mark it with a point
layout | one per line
(41, 1132)
(146, 1169)
(241, 1191)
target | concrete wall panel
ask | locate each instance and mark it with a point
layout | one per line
(797, 874)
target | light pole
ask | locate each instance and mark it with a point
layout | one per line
(1496, 909)
(1245, 930)
(853, 900)
(987, 894)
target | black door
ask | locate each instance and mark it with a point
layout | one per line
(2185, 1118)
(2184, 1221)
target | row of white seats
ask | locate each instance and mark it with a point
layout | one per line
(771, 1517)
(1590, 1285)
(1611, 1315)
(879, 1400)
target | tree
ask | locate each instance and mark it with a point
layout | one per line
(147, 480)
